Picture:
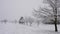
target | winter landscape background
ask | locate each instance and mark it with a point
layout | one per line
(27, 17)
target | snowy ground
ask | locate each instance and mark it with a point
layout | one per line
(12, 28)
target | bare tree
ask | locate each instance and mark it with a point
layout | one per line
(55, 5)
(42, 12)
(29, 20)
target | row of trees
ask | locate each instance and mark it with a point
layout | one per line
(23, 20)
(7, 21)
(28, 20)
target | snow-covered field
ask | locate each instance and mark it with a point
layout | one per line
(12, 28)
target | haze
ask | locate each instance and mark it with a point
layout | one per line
(14, 9)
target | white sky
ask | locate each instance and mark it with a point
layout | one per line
(13, 9)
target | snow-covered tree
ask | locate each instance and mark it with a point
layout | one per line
(46, 12)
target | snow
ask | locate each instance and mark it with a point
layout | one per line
(12, 28)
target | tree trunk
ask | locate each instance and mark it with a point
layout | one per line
(55, 16)
(55, 22)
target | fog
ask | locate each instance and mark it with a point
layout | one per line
(14, 9)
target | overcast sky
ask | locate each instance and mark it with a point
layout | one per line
(13, 9)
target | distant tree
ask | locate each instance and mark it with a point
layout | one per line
(26, 20)
(38, 22)
(29, 20)
(15, 21)
(4, 21)
(21, 20)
